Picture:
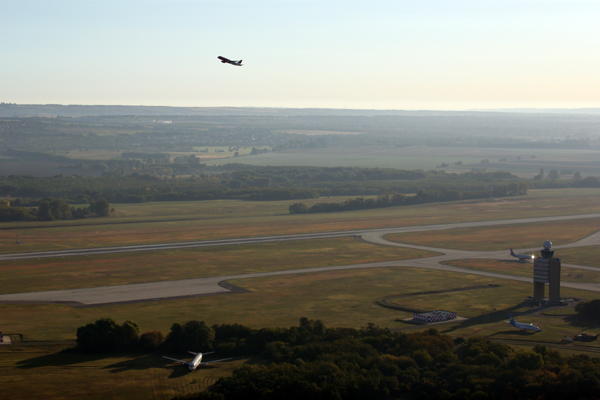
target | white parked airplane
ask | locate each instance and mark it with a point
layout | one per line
(522, 326)
(226, 60)
(197, 361)
(522, 257)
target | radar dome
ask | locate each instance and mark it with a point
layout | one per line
(547, 245)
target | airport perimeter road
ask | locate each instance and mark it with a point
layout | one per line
(283, 238)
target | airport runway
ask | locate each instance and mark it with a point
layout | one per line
(154, 291)
(283, 238)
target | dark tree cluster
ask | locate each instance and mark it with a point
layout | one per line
(316, 362)
(313, 361)
(50, 209)
(238, 181)
(589, 309)
(397, 199)
(107, 336)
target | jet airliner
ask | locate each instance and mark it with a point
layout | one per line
(522, 326)
(522, 257)
(228, 61)
(197, 361)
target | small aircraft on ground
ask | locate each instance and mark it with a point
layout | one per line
(522, 257)
(197, 361)
(522, 326)
(228, 61)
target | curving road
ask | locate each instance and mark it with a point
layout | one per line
(153, 291)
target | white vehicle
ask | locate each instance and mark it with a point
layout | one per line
(522, 257)
(522, 326)
(197, 360)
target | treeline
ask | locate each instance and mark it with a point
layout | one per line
(425, 365)
(589, 309)
(50, 209)
(587, 182)
(397, 199)
(238, 181)
(316, 362)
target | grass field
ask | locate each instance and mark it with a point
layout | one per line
(526, 269)
(44, 372)
(502, 237)
(339, 298)
(580, 256)
(124, 268)
(186, 221)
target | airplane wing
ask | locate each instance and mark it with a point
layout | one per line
(210, 352)
(180, 361)
(210, 362)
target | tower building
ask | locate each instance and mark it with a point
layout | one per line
(546, 269)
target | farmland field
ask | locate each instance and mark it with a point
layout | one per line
(522, 162)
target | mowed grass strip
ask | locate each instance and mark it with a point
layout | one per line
(526, 269)
(502, 237)
(339, 298)
(468, 303)
(69, 375)
(580, 256)
(124, 268)
(204, 220)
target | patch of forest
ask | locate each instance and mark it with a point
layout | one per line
(238, 181)
(316, 362)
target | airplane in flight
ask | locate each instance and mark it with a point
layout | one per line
(522, 257)
(228, 61)
(197, 361)
(522, 326)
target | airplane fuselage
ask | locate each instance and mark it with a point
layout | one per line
(226, 60)
(524, 327)
(522, 257)
(195, 362)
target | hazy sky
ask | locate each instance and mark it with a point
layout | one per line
(302, 53)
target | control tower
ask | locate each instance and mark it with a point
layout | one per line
(546, 270)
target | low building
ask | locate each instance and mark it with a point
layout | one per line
(434, 316)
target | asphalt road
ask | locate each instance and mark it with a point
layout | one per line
(153, 291)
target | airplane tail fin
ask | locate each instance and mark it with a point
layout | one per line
(512, 320)
(512, 253)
